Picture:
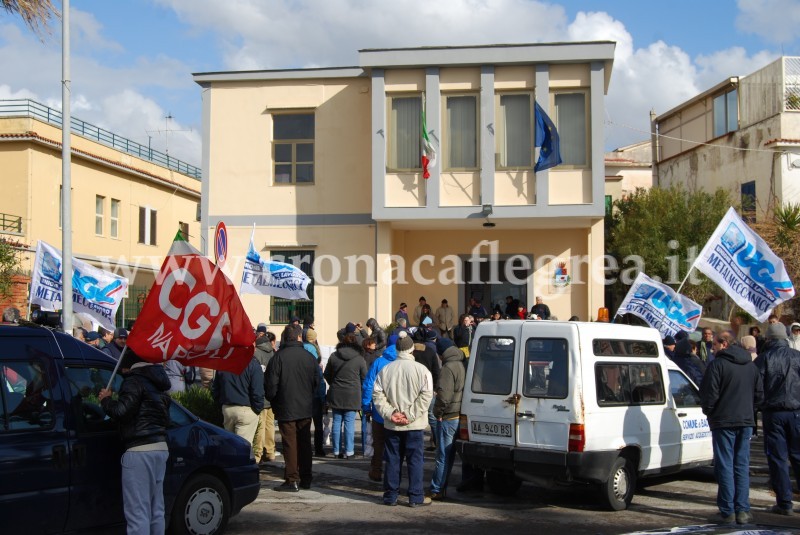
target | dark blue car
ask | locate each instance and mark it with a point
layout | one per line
(60, 456)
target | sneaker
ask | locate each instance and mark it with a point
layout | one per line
(437, 496)
(744, 517)
(778, 510)
(720, 519)
(425, 501)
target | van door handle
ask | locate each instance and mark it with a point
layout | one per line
(60, 457)
(681, 414)
(526, 414)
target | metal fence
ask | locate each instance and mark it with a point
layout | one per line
(31, 108)
(131, 306)
(10, 223)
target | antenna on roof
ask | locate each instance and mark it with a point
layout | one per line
(166, 132)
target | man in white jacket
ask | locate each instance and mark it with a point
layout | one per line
(402, 393)
(794, 336)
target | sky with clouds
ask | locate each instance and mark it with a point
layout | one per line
(132, 61)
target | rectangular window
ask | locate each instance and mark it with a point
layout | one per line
(629, 384)
(462, 132)
(85, 385)
(726, 113)
(546, 374)
(293, 148)
(609, 204)
(494, 365)
(571, 120)
(147, 225)
(405, 127)
(748, 191)
(184, 228)
(115, 218)
(99, 206)
(605, 347)
(283, 310)
(25, 399)
(60, 206)
(514, 135)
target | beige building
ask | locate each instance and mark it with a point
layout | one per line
(628, 168)
(326, 163)
(742, 135)
(128, 201)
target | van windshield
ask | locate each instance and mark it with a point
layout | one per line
(494, 365)
(546, 368)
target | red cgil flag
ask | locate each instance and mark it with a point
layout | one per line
(193, 314)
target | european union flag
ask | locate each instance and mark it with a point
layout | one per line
(547, 139)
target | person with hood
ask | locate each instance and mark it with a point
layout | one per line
(264, 441)
(320, 395)
(345, 371)
(142, 411)
(378, 334)
(402, 394)
(425, 354)
(688, 362)
(669, 346)
(446, 410)
(794, 336)
(729, 393)
(779, 367)
(388, 355)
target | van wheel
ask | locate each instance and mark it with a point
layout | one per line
(618, 491)
(502, 483)
(201, 508)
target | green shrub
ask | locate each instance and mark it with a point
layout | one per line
(199, 401)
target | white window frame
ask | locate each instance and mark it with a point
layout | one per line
(552, 113)
(446, 130)
(114, 219)
(99, 214)
(391, 145)
(148, 234)
(500, 130)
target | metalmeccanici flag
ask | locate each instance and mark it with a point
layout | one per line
(741, 263)
(267, 277)
(660, 306)
(95, 292)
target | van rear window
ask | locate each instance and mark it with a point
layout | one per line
(605, 347)
(494, 365)
(546, 373)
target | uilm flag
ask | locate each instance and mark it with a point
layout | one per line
(428, 152)
(193, 314)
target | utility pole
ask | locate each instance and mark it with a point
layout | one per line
(66, 176)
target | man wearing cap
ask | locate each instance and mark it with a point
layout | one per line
(142, 411)
(730, 390)
(401, 395)
(669, 346)
(418, 310)
(445, 317)
(93, 339)
(779, 367)
(114, 349)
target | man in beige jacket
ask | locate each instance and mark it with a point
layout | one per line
(445, 319)
(402, 393)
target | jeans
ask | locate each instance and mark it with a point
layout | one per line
(445, 454)
(732, 468)
(318, 412)
(400, 445)
(365, 423)
(432, 421)
(782, 444)
(347, 418)
(143, 491)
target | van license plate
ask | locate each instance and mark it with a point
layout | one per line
(491, 429)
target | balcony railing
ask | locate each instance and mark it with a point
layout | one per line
(10, 223)
(791, 83)
(30, 108)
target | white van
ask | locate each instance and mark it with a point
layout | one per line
(569, 402)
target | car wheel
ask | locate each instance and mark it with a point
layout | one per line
(617, 492)
(201, 508)
(502, 483)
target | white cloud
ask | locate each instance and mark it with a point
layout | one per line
(776, 21)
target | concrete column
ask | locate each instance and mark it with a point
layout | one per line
(378, 141)
(384, 307)
(543, 98)
(433, 117)
(486, 134)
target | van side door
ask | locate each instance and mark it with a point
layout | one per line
(34, 454)
(490, 398)
(695, 434)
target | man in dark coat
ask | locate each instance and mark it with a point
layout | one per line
(292, 379)
(729, 393)
(142, 410)
(687, 361)
(114, 349)
(264, 441)
(779, 366)
(345, 371)
(378, 334)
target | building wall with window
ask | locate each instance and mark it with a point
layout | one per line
(110, 191)
(742, 135)
(329, 161)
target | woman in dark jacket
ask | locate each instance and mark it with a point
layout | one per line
(345, 372)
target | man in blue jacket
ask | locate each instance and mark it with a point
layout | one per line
(389, 355)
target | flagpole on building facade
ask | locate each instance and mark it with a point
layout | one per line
(66, 177)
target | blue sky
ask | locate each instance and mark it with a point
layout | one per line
(132, 60)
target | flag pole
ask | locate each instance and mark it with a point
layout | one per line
(111, 379)
(684, 279)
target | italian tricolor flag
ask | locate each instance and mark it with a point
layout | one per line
(428, 152)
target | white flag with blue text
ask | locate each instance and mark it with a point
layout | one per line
(95, 292)
(660, 306)
(742, 264)
(267, 277)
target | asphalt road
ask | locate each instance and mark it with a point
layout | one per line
(344, 500)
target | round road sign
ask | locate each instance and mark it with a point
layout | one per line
(221, 244)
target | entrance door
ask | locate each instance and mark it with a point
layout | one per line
(488, 283)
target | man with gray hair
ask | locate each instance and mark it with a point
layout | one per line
(779, 367)
(11, 315)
